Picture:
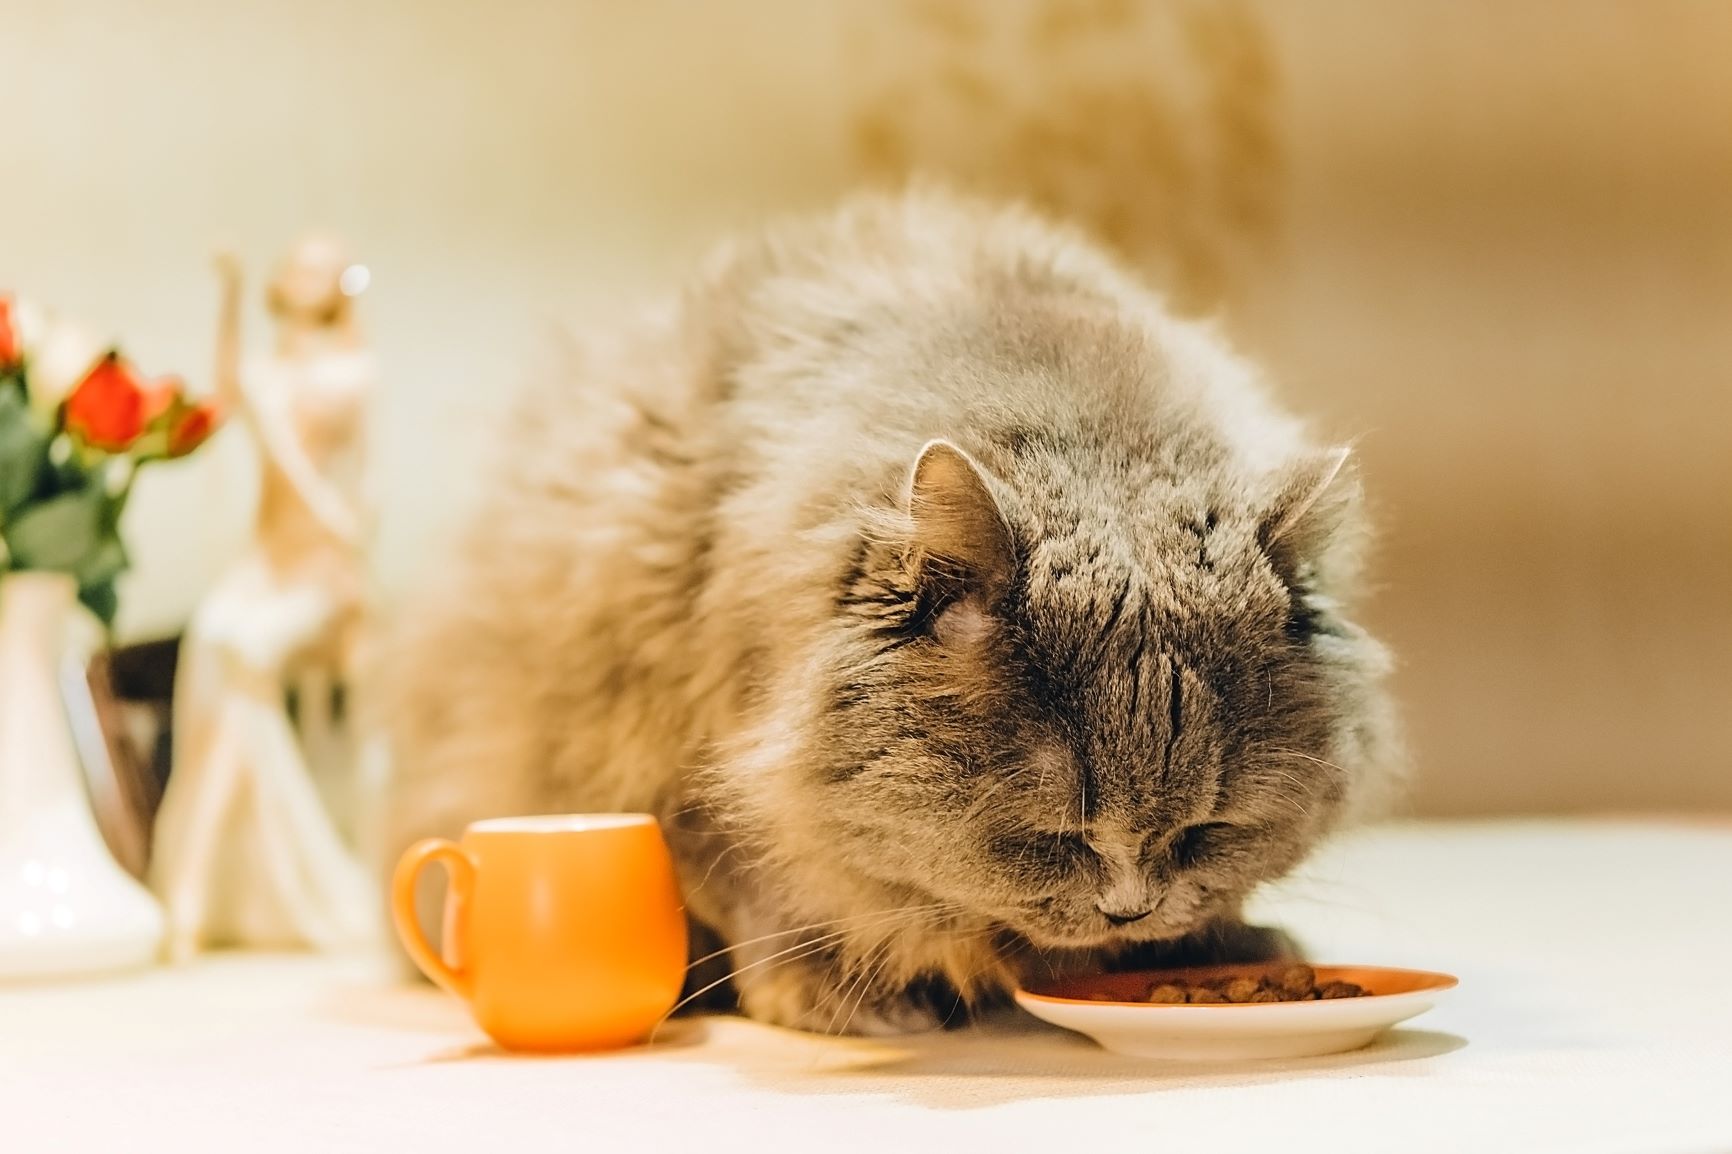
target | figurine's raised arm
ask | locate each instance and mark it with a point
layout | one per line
(228, 339)
(272, 432)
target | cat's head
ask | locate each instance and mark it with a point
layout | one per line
(1088, 717)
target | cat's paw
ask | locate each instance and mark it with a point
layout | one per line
(807, 997)
(890, 1016)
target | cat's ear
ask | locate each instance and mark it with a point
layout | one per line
(1313, 497)
(960, 533)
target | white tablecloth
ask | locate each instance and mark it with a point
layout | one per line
(1595, 1013)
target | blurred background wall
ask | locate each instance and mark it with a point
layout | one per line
(1492, 240)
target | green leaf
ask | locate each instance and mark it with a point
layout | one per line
(23, 451)
(102, 564)
(101, 600)
(60, 532)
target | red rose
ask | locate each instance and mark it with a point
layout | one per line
(109, 409)
(11, 345)
(192, 428)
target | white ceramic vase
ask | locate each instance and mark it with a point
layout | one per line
(66, 907)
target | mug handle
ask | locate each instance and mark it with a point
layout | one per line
(460, 870)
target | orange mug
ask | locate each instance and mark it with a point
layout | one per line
(562, 933)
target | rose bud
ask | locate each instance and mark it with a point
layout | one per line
(193, 427)
(109, 408)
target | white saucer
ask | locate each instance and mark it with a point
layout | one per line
(1109, 1008)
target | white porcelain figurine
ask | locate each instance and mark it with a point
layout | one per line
(246, 852)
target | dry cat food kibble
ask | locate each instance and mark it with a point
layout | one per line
(1297, 983)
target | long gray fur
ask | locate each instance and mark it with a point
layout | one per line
(961, 612)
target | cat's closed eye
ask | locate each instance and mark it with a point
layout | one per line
(1194, 843)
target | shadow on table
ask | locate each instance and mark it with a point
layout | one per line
(680, 1034)
(1005, 1058)
(1001, 1062)
(415, 1007)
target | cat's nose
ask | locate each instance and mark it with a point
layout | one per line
(1123, 917)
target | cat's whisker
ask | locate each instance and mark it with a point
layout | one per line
(880, 920)
(870, 969)
(813, 946)
(868, 982)
(1277, 773)
(1327, 764)
(859, 967)
(685, 809)
(800, 951)
(715, 864)
(857, 981)
(973, 811)
(967, 984)
(834, 991)
(810, 926)
(1276, 777)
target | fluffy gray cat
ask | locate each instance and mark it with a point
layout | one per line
(962, 614)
